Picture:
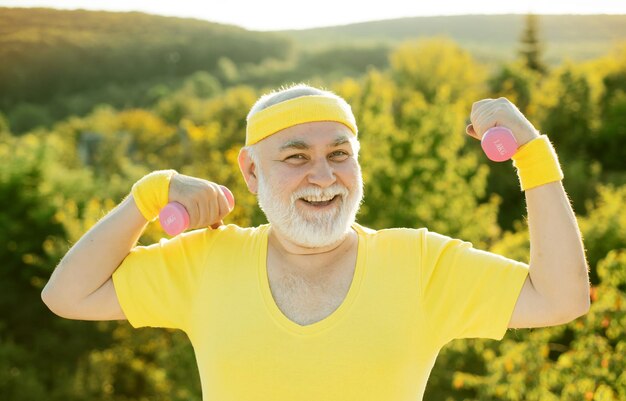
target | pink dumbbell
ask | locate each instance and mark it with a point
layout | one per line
(499, 144)
(175, 219)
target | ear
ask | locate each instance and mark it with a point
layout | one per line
(248, 170)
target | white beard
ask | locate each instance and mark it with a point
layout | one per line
(311, 229)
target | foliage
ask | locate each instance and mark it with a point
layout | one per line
(33, 238)
(413, 159)
(583, 360)
(419, 167)
(515, 82)
(436, 68)
(59, 63)
(147, 364)
(612, 135)
(48, 54)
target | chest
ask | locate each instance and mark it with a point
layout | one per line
(305, 299)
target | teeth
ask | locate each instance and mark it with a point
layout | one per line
(318, 198)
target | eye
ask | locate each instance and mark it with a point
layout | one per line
(339, 155)
(297, 158)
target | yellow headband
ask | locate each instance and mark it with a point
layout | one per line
(303, 109)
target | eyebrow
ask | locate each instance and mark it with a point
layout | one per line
(300, 144)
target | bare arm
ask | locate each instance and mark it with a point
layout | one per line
(556, 290)
(81, 286)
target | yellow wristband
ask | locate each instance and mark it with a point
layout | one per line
(537, 163)
(151, 193)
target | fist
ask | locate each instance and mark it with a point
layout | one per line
(488, 113)
(204, 200)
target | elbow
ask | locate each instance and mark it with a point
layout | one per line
(53, 303)
(565, 316)
(584, 307)
(565, 308)
(48, 300)
(575, 302)
(584, 303)
(576, 310)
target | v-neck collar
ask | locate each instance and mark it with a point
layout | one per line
(275, 312)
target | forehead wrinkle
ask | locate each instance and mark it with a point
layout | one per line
(340, 140)
(294, 144)
(301, 144)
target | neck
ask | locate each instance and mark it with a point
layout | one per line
(288, 248)
(290, 258)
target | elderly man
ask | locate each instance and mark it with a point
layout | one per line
(314, 306)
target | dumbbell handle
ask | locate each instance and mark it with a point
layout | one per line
(175, 219)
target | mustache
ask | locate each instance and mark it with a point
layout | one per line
(333, 190)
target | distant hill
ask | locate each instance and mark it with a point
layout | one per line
(575, 37)
(56, 63)
(47, 52)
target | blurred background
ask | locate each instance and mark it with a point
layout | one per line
(91, 100)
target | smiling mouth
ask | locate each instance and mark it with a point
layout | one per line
(321, 203)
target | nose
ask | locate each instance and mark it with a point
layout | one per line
(322, 174)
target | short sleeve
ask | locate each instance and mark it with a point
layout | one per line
(467, 293)
(156, 284)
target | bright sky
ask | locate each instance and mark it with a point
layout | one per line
(299, 14)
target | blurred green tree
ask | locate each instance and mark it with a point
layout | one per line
(608, 145)
(584, 359)
(32, 239)
(437, 68)
(414, 150)
(531, 49)
(420, 169)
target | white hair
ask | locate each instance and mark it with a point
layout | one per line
(288, 92)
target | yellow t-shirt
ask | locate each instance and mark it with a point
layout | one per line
(412, 292)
